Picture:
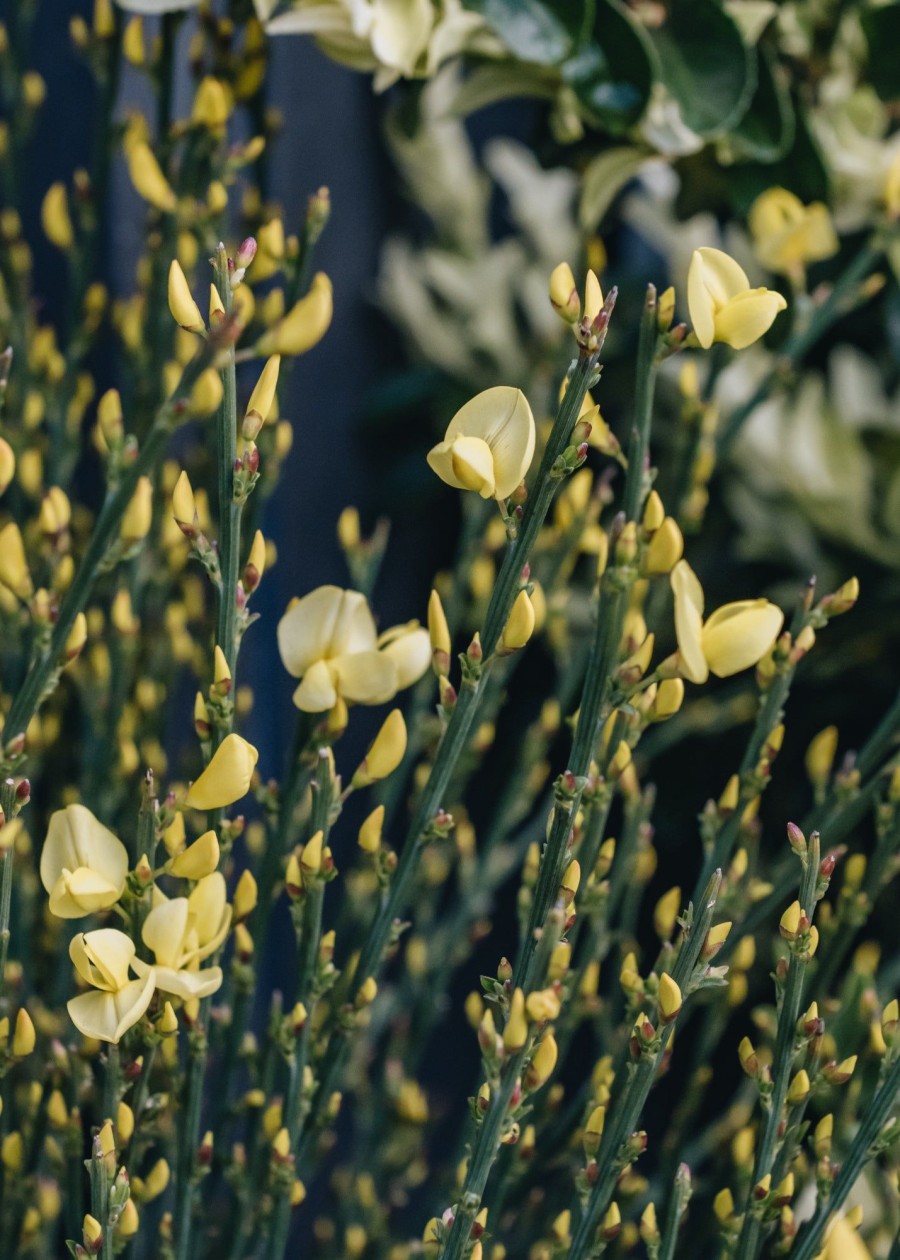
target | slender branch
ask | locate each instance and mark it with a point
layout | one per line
(809, 1240)
(788, 1014)
(626, 1111)
(460, 723)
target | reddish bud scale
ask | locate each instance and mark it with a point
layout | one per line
(796, 838)
(23, 791)
(827, 865)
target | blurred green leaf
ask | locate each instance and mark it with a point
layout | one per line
(502, 81)
(542, 31)
(882, 29)
(766, 131)
(612, 75)
(705, 65)
(801, 170)
(603, 179)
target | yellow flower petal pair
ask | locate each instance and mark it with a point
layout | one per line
(735, 637)
(114, 1003)
(184, 931)
(328, 639)
(489, 444)
(83, 865)
(722, 305)
(787, 234)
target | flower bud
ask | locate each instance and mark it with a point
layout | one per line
(182, 306)
(669, 998)
(139, 513)
(515, 1033)
(564, 294)
(385, 753)
(520, 624)
(798, 1091)
(370, 832)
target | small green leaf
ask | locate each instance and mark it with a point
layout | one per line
(542, 31)
(603, 179)
(705, 65)
(882, 30)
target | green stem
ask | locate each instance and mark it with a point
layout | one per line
(788, 1014)
(32, 691)
(227, 639)
(455, 736)
(677, 1203)
(602, 660)
(230, 512)
(624, 1118)
(308, 960)
(187, 1145)
(809, 1240)
(802, 340)
(7, 860)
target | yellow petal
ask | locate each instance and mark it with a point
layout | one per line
(211, 913)
(844, 1243)
(76, 840)
(324, 623)
(108, 1016)
(688, 595)
(188, 984)
(745, 318)
(198, 859)
(165, 929)
(440, 461)
(713, 278)
(80, 892)
(739, 634)
(227, 777)
(502, 418)
(317, 692)
(102, 957)
(366, 677)
(410, 653)
(473, 464)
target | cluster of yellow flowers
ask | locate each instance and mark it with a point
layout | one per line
(205, 1116)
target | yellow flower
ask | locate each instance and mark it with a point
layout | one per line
(489, 444)
(844, 1243)
(329, 640)
(385, 753)
(83, 865)
(722, 305)
(305, 324)
(520, 624)
(199, 859)
(55, 219)
(669, 998)
(147, 176)
(185, 931)
(227, 777)
(14, 572)
(787, 234)
(182, 306)
(114, 1004)
(735, 637)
